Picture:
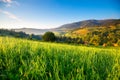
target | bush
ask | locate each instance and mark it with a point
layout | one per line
(49, 36)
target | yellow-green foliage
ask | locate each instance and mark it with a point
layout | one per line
(31, 60)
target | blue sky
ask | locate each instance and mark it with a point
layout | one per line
(43, 14)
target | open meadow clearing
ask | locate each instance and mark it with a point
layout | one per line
(22, 59)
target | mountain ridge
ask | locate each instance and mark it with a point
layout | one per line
(91, 23)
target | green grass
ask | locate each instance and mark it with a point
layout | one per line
(32, 60)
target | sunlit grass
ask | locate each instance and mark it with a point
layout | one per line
(28, 60)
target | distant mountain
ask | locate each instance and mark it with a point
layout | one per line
(39, 31)
(90, 23)
(32, 31)
(71, 26)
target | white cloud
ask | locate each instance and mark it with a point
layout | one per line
(6, 1)
(9, 3)
(10, 15)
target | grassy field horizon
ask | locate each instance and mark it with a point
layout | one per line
(22, 59)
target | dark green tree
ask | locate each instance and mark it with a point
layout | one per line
(49, 36)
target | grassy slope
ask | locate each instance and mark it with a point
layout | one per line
(24, 59)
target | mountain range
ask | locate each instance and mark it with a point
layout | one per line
(63, 29)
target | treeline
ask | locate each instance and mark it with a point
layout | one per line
(64, 39)
(12, 33)
(104, 36)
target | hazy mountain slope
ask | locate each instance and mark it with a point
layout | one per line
(32, 31)
(39, 31)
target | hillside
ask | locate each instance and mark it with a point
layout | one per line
(87, 30)
(109, 36)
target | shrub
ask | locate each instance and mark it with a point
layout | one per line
(49, 36)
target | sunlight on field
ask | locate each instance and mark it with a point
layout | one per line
(28, 60)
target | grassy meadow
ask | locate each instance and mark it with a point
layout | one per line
(22, 59)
